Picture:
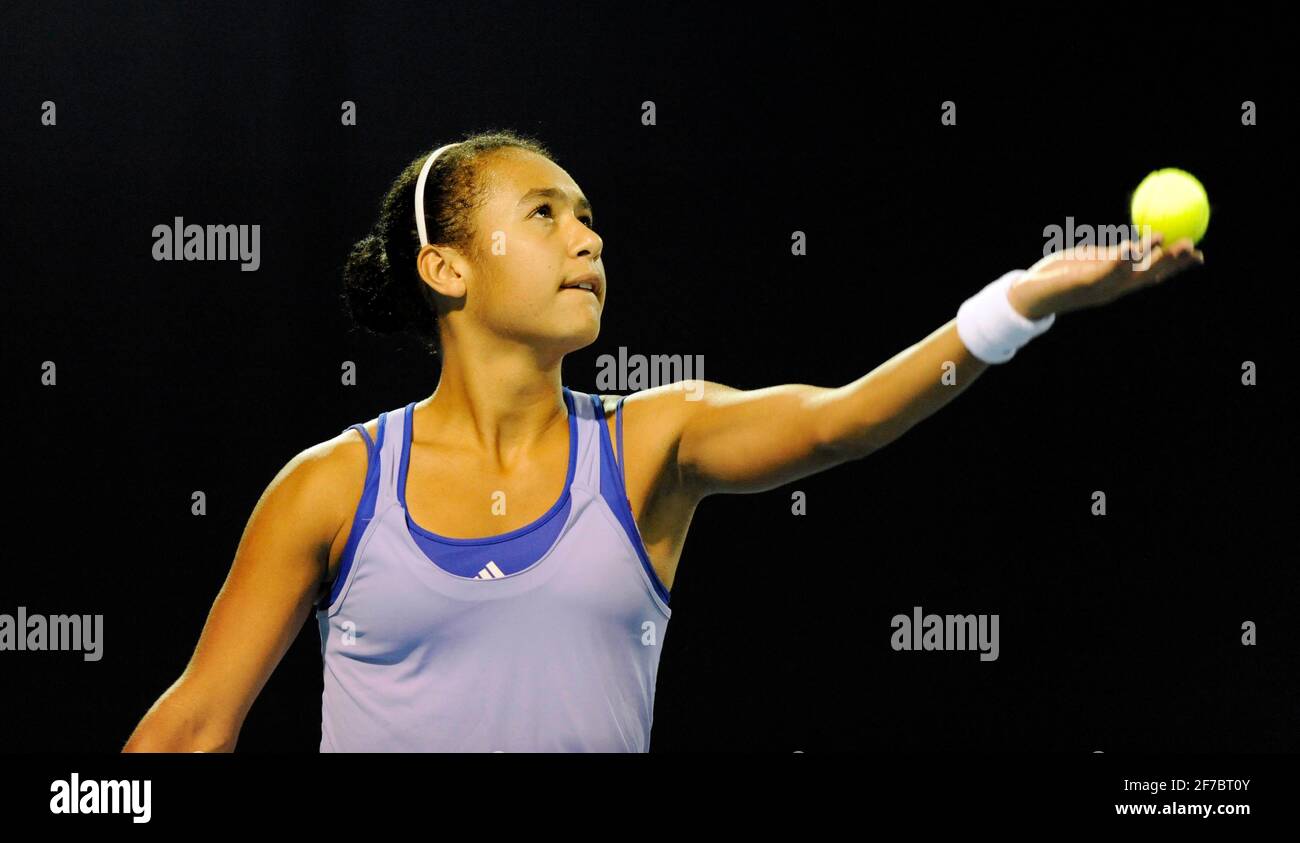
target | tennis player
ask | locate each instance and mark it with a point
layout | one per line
(490, 566)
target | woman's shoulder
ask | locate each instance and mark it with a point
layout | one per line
(335, 468)
(653, 419)
(348, 450)
(662, 408)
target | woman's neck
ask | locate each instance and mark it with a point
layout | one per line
(503, 411)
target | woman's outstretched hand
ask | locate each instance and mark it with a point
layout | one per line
(1088, 276)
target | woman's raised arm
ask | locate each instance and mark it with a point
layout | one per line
(734, 441)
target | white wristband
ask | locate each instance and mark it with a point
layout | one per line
(991, 328)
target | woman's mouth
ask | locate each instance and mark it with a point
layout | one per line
(589, 282)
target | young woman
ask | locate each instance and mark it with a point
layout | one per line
(490, 567)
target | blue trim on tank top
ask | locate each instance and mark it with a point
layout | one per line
(618, 425)
(365, 508)
(613, 488)
(501, 537)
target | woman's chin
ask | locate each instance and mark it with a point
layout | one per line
(582, 338)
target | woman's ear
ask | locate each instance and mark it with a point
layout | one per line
(441, 268)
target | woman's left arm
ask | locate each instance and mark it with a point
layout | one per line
(740, 442)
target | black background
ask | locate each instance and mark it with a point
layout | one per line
(1117, 633)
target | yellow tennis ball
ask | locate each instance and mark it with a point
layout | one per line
(1173, 203)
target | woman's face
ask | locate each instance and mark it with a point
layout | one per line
(534, 235)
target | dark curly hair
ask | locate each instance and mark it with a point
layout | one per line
(382, 290)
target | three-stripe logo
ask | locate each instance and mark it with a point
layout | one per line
(490, 572)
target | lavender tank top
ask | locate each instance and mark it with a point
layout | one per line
(560, 655)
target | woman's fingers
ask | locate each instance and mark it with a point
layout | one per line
(1150, 243)
(1181, 255)
(1185, 253)
(1141, 251)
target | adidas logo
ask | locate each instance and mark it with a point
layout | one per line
(490, 572)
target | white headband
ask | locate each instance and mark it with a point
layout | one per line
(419, 192)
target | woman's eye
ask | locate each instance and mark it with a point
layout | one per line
(587, 221)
